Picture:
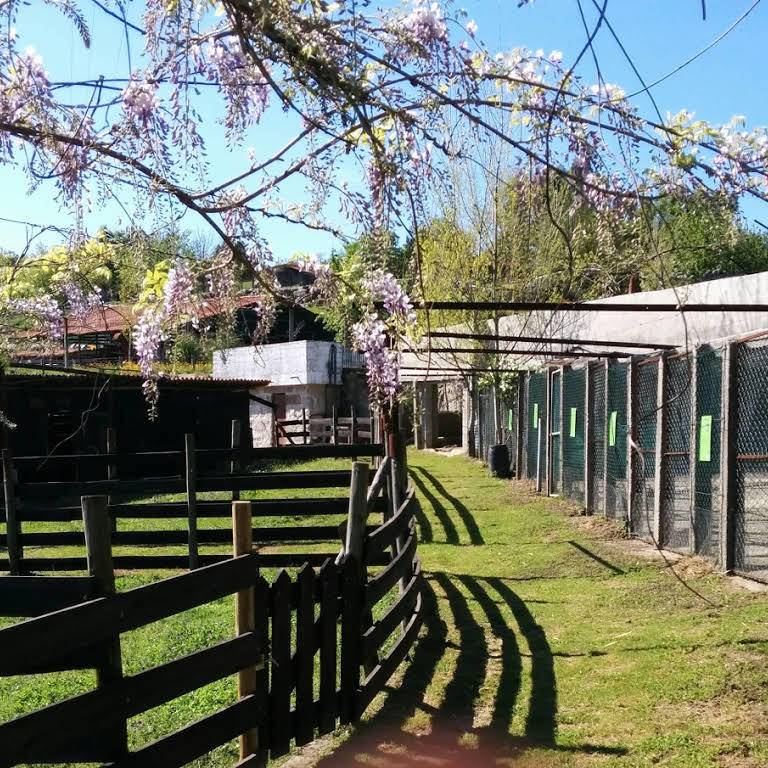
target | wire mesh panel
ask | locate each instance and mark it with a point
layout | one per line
(555, 438)
(574, 383)
(645, 415)
(616, 458)
(706, 499)
(750, 521)
(487, 423)
(537, 414)
(597, 437)
(676, 511)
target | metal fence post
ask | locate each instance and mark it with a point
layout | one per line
(729, 401)
(560, 416)
(692, 358)
(658, 480)
(519, 422)
(604, 510)
(547, 448)
(632, 462)
(587, 439)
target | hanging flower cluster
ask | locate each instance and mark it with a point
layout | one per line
(399, 92)
(381, 362)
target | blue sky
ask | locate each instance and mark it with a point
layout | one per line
(658, 34)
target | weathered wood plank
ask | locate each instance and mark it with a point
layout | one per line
(329, 612)
(400, 568)
(57, 634)
(195, 740)
(37, 595)
(178, 510)
(280, 694)
(352, 610)
(400, 611)
(376, 680)
(305, 654)
(70, 721)
(387, 534)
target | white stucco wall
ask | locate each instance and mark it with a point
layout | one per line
(289, 364)
(690, 328)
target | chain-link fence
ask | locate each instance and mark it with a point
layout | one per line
(616, 449)
(645, 412)
(537, 415)
(707, 501)
(596, 439)
(696, 480)
(677, 522)
(750, 514)
(574, 386)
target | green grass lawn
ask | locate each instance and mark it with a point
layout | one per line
(545, 643)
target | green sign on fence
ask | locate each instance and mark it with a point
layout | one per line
(535, 415)
(612, 429)
(705, 438)
(509, 420)
(573, 422)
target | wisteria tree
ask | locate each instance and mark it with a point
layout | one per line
(383, 100)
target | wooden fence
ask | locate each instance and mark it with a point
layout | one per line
(278, 702)
(31, 500)
(336, 430)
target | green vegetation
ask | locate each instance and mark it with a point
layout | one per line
(546, 643)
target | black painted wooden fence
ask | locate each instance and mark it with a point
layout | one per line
(285, 705)
(35, 501)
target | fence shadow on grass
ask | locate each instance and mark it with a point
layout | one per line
(444, 514)
(469, 727)
(449, 527)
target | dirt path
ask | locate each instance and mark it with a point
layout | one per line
(545, 643)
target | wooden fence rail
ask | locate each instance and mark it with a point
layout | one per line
(31, 500)
(279, 702)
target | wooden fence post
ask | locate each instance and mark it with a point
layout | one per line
(245, 615)
(353, 591)
(12, 528)
(191, 476)
(353, 426)
(334, 426)
(304, 425)
(98, 545)
(234, 465)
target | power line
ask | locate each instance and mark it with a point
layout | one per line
(699, 54)
(530, 352)
(547, 339)
(577, 306)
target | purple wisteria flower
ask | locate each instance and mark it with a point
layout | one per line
(140, 99)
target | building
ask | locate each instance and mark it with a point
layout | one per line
(306, 379)
(59, 412)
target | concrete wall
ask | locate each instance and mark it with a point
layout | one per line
(676, 328)
(313, 398)
(289, 364)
